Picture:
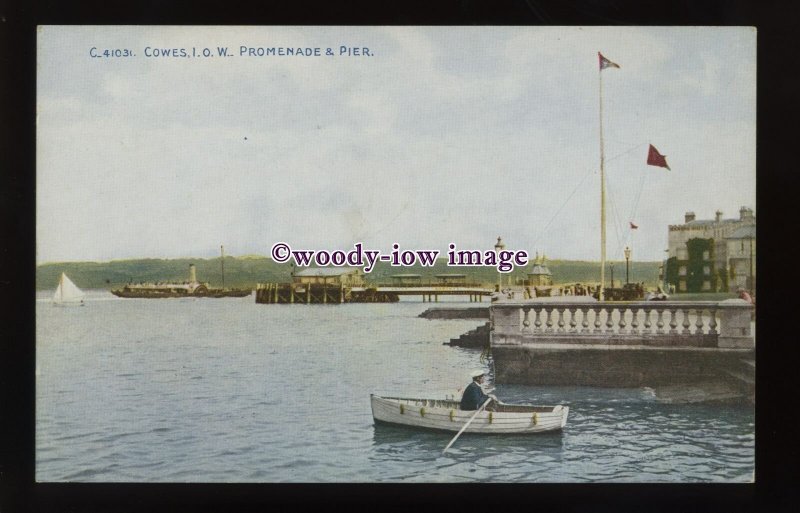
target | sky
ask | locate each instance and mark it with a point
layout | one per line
(440, 135)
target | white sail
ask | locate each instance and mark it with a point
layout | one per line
(67, 292)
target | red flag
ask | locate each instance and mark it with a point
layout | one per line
(633, 226)
(605, 63)
(654, 158)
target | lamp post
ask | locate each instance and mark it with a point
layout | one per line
(627, 264)
(612, 275)
(752, 284)
(498, 247)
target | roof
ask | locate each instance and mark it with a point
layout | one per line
(326, 271)
(540, 269)
(745, 232)
(704, 222)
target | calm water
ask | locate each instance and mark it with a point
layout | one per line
(204, 390)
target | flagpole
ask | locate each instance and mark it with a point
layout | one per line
(601, 295)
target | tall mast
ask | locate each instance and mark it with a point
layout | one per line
(604, 63)
(600, 296)
(222, 264)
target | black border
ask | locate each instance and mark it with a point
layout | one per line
(778, 86)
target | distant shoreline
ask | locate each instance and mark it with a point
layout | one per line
(247, 271)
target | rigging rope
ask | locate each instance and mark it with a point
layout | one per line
(544, 230)
(633, 211)
(619, 225)
(564, 204)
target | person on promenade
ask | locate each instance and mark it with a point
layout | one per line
(473, 396)
(743, 294)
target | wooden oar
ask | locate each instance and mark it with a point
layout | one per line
(467, 424)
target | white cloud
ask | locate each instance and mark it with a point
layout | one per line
(446, 134)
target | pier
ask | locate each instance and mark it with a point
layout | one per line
(320, 294)
(623, 344)
(324, 293)
(431, 292)
(347, 285)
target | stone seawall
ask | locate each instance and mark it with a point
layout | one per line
(456, 313)
(612, 366)
(477, 338)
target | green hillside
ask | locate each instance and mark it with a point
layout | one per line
(249, 270)
(239, 272)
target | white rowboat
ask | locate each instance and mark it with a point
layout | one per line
(445, 415)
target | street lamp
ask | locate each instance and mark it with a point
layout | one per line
(498, 247)
(627, 264)
(612, 275)
(752, 284)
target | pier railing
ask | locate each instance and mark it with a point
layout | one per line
(725, 324)
(431, 284)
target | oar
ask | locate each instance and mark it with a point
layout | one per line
(467, 424)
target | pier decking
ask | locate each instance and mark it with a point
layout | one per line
(333, 293)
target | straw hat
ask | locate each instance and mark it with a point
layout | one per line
(477, 373)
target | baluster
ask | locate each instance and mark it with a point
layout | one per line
(596, 311)
(537, 322)
(585, 320)
(712, 325)
(699, 323)
(673, 320)
(622, 323)
(526, 323)
(647, 323)
(609, 319)
(572, 321)
(660, 321)
(549, 322)
(561, 319)
(635, 321)
(686, 322)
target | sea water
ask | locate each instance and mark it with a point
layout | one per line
(227, 390)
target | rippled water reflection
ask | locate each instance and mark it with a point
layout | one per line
(199, 390)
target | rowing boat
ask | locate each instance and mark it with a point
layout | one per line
(445, 415)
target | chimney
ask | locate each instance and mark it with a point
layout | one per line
(745, 213)
(718, 218)
(689, 217)
(192, 274)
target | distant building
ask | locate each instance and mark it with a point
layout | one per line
(741, 248)
(406, 279)
(709, 255)
(539, 275)
(347, 276)
(452, 279)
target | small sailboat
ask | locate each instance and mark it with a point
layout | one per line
(67, 293)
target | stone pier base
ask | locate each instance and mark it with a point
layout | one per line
(612, 365)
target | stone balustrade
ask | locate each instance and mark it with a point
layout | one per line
(582, 320)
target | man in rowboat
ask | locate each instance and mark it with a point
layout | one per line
(473, 396)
